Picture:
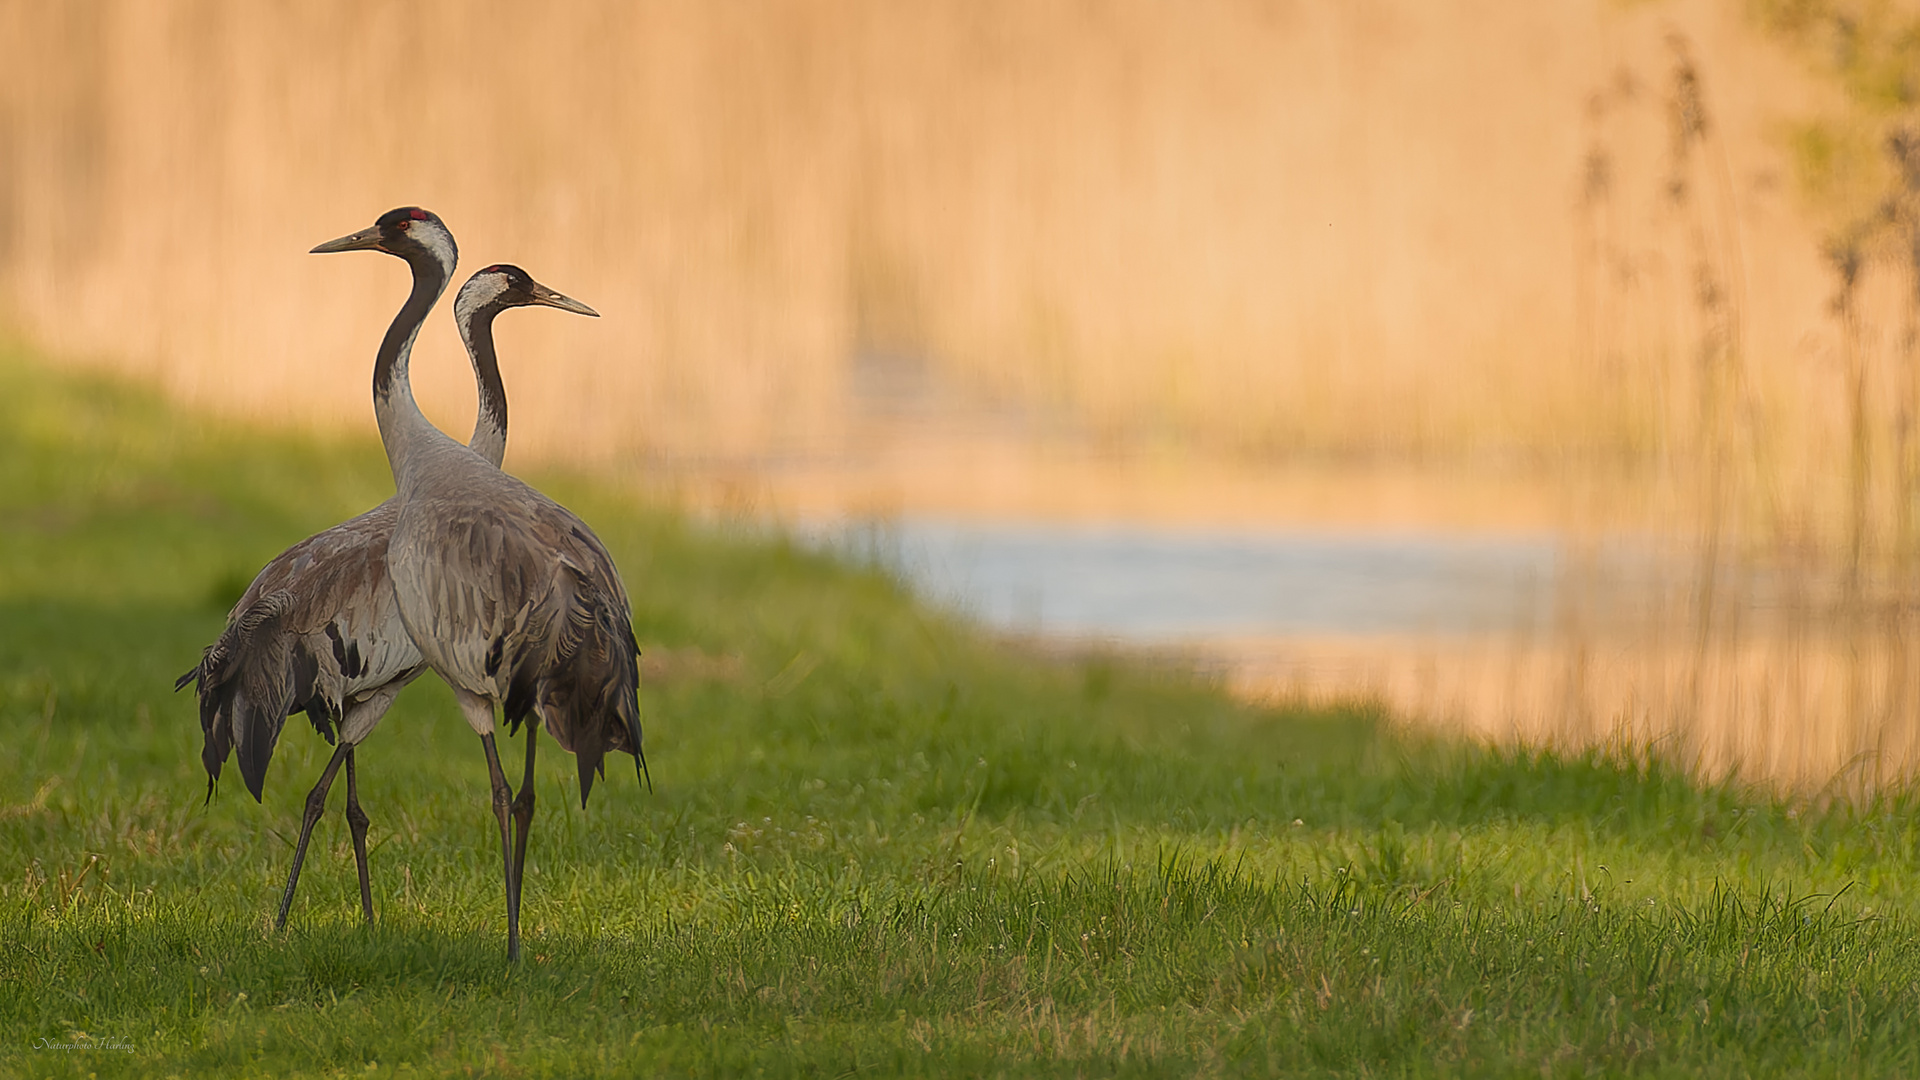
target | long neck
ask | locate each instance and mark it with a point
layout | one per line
(402, 425)
(490, 423)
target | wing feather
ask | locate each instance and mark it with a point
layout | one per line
(526, 607)
(317, 630)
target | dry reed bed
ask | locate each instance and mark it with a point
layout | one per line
(1357, 230)
(1822, 699)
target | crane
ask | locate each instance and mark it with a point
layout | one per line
(318, 630)
(509, 596)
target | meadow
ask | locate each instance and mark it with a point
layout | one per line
(878, 842)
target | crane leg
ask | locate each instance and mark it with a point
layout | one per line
(522, 823)
(316, 805)
(357, 821)
(502, 797)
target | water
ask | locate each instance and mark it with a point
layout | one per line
(1150, 584)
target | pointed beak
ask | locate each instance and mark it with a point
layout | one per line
(544, 295)
(364, 239)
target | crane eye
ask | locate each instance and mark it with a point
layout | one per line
(405, 225)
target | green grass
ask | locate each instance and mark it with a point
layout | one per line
(879, 843)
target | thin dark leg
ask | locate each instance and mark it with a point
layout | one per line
(502, 797)
(522, 824)
(316, 805)
(357, 821)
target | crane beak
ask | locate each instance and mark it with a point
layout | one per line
(544, 295)
(364, 239)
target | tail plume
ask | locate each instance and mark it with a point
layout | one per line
(248, 682)
(589, 699)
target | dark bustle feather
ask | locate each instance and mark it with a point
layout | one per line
(589, 698)
(249, 682)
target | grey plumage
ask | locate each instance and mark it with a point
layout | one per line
(319, 630)
(508, 595)
(513, 599)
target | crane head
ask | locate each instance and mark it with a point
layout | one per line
(408, 232)
(504, 285)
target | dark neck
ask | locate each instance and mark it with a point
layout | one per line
(404, 431)
(490, 423)
(429, 281)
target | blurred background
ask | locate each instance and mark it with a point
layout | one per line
(1544, 370)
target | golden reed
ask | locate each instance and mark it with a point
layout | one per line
(1262, 228)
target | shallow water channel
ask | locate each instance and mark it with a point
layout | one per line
(1531, 637)
(1148, 585)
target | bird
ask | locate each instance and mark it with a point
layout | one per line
(318, 630)
(509, 596)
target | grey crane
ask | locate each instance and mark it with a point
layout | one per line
(318, 630)
(509, 596)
